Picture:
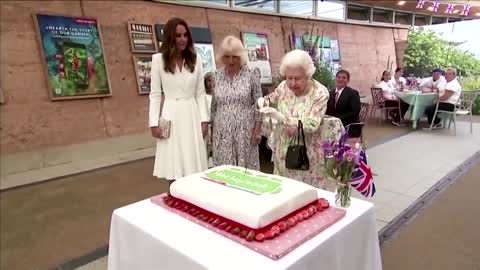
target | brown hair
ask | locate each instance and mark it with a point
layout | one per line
(169, 47)
(344, 71)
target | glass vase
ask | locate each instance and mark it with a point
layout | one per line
(343, 194)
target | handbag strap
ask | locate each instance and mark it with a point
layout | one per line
(300, 128)
(298, 133)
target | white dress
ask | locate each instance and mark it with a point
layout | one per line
(183, 153)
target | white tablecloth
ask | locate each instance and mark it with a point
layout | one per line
(144, 236)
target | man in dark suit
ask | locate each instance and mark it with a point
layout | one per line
(344, 103)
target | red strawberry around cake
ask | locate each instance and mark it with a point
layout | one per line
(247, 203)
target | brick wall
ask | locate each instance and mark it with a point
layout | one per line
(30, 121)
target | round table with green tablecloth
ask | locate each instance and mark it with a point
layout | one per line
(418, 102)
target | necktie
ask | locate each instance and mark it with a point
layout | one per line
(337, 95)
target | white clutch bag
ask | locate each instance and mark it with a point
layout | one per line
(164, 126)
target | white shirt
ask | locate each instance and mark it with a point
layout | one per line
(430, 83)
(388, 89)
(454, 86)
(339, 91)
(396, 85)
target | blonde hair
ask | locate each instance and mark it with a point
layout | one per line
(454, 71)
(297, 58)
(233, 46)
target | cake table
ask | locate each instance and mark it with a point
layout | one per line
(146, 236)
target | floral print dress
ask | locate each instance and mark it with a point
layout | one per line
(310, 109)
(233, 116)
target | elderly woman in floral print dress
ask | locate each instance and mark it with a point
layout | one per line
(236, 125)
(299, 97)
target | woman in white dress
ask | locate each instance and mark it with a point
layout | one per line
(177, 72)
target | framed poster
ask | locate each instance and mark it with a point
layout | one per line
(72, 52)
(142, 38)
(335, 50)
(143, 68)
(258, 55)
(208, 57)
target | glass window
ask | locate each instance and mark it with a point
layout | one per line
(263, 4)
(439, 20)
(454, 19)
(382, 15)
(297, 7)
(359, 13)
(403, 18)
(331, 9)
(421, 20)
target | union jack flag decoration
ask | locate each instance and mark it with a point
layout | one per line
(435, 6)
(450, 8)
(362, 177)
(421, 3)
(466, 10)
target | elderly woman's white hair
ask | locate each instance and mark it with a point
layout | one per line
(232, 46)
(297, 58)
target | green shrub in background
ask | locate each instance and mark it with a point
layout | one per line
(472, 83)
(427, 50)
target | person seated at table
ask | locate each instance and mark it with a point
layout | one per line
(344, 103)
(298, 97)
(448, 98)
(435, 83)
(391, 100)
(398, 81)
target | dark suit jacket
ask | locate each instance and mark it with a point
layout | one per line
(347, 109)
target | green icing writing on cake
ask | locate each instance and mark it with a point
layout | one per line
(247, 181)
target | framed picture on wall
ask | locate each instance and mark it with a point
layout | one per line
(208, 57)
(143, 68)
(72, 52)
(335, 50)
(258, 55)
(142, 38)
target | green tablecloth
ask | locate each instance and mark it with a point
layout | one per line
(418, 102)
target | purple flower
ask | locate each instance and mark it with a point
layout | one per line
(327, 147)
(350, 155)
(339, 155)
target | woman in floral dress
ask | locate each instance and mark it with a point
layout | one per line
(299, 97)
(236, 124)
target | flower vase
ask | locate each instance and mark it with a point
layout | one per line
(330, 184)
(343, 194)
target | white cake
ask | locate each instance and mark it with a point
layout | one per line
(254, 199)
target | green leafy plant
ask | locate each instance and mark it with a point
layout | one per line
(310, 43)
(427, 50)
(472, 83)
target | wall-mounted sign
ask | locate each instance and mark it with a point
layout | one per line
(258, 55)
(142, 38)
(143, 68)
(71, 49)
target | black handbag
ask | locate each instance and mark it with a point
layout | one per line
(297, 158)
